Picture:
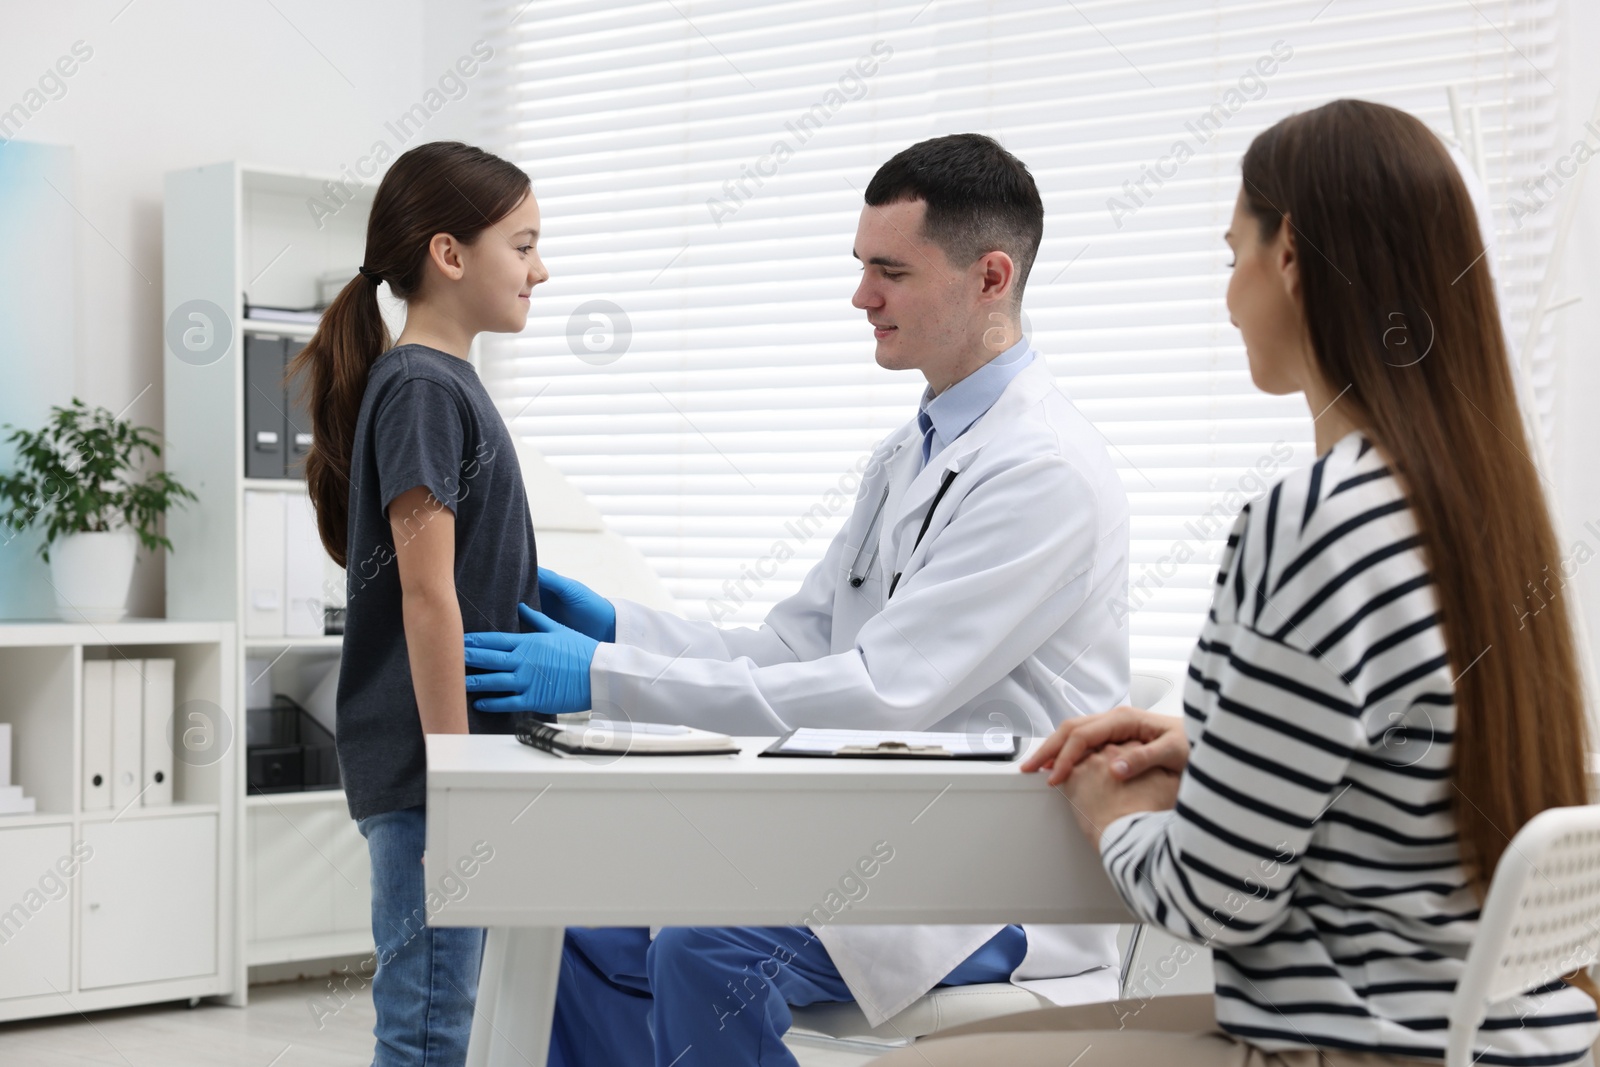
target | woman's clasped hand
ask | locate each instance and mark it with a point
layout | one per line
(1117, 763)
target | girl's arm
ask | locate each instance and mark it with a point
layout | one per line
(425, 550)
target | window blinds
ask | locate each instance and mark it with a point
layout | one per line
(694, 364)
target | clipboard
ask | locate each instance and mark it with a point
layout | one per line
(896, 748)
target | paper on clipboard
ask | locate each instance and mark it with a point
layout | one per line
(815, 742)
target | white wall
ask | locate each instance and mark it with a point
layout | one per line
(175, 83)
(1577, 442)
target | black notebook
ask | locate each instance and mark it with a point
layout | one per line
(604, 737)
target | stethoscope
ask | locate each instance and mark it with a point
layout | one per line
(858, 573)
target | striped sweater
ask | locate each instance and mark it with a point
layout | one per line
(1312, 846)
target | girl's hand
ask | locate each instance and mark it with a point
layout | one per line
(1100, 797)
(1146, 738)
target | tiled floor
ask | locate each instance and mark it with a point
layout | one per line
(282, 1027)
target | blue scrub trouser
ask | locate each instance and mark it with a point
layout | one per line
(709, 996)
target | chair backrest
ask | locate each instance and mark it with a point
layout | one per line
(1541, 919)
(1156, 689)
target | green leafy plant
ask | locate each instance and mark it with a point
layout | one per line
(77, 475)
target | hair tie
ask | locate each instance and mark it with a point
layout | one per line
(370, 275)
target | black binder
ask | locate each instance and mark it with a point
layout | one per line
(277, 420)
(264, 447)
(297, 420)
(616, 739)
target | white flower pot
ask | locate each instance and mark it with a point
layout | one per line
(91, 573)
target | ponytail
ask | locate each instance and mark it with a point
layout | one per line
(443, 187)
(336, 364)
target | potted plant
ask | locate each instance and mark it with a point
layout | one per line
(77, 478)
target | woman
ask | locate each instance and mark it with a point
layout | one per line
(1372, 710)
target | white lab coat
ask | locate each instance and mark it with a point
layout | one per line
(1009, 598)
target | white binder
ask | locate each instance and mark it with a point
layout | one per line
(127, 731)
(263, 563)
(302, 569)
(156, 779)
(96, 735)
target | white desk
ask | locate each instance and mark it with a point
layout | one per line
(722, 841)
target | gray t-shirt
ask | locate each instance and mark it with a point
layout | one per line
(425, 420)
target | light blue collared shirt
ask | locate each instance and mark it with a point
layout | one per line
(953, 411)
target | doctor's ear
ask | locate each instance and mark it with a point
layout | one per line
(997, 276)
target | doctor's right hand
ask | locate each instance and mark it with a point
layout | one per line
(546, 670)
(1147, 739)
(575, 605)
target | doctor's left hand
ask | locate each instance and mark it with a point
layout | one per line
(545, 671)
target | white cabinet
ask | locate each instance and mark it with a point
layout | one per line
(309, 878)
(106, 908)
(37, 866)
(149, 901)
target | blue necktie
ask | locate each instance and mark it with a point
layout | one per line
(927, 435)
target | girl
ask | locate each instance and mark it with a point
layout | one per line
(419, 496)
(1371, 712)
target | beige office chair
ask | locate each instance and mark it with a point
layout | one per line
(945, 1007)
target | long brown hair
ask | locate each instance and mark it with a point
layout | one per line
(442, 187)
(1400, 310)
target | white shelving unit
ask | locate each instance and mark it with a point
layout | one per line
(105, 909)
(280, 329)
(231, 229)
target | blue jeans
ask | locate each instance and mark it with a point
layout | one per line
(427, 977)
(709, 996)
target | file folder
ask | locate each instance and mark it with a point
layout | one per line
(297, 418)
(264, 420)
(156, 759)
(127, 731)
(263, 563)
(302, 569)
(96, 735)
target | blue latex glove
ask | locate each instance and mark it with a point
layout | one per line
(545, 671)
(574, 604)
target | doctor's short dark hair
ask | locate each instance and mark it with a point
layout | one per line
(980, 198)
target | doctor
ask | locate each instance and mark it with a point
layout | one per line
(969, 588)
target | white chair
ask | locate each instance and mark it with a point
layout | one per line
(1156, 688)
(844, 1025)
(575, 541)
(1153, 963)
(1540, 920)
